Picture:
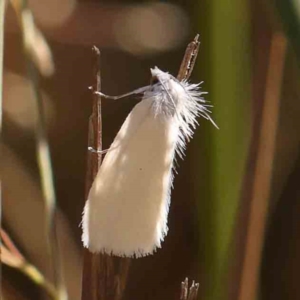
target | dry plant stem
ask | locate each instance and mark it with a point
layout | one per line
(104, 276)
(189, 59)
(184, 289)
(263, 170)
(34, 274)
(46, 174)
(28, 270)
(189, 293)
(6, 240)
(11, 256)
(193, 291)
(2, 15)
(42, 145)
(34, 42)
(95, 123)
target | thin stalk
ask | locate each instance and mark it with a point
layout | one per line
(11, 256)
(104, 276)
(2, 17)
(35, 47)
(189, 59)
(47, 182)
(189, 293)
(263, 170)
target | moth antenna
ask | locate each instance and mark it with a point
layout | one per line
(135, 92)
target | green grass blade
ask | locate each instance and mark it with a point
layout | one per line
(226, 43)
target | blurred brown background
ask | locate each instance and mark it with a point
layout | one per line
(212, 198)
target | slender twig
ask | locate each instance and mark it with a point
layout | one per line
(34, 43)
(90, 281)
(11, 256)
(46, 174)
(193, 291)
(6, 240)
(263, 170)
(189, 59)
(2, 16)
(104, 277)
(184, 289)
(95, 135)
(189, 293)
(35, 47)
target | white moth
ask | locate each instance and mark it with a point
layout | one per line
(127, 207)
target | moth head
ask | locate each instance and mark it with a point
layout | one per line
(159, 76)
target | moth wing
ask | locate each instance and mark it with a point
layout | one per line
(127, 207)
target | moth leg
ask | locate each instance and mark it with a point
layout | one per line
(101, 151)
(97, 151)
(135, 92)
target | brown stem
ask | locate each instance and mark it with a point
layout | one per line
(189, 293)
(189, 59)
(6, 240)
(104, 276)
(11, 256)
(184, 289)
(260, 190)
